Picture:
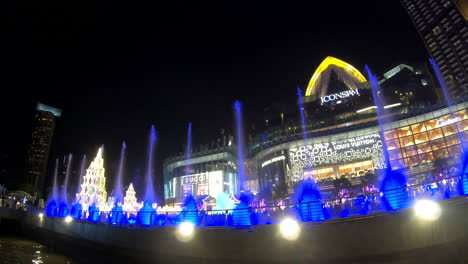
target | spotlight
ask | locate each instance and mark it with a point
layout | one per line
(185, 231)
(427, 210)
(289, 229)
(40, 215)
(68, 219)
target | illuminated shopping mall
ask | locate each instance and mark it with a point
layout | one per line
(344, 139)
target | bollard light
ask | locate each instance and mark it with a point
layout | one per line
(68, 219)
(185, 231)
(427, 210)
(289, 229)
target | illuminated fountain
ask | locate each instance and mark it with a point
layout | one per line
(93, 189)
(117, 215)
(146, 214)
(189, 141)
(310, 206)
(118, 186)
(463, 184)
(77, 208)
(240, 167)
(51, 208)
(243, 209)
(394, 184)
(223, 202)
(241, 214)
(190, 211)
(63, 204)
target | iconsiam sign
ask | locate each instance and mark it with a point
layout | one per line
(93, 187)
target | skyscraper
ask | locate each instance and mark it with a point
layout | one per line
(444, 29)
(38, 151)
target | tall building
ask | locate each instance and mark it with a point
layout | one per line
(38, 152)
(444, 29)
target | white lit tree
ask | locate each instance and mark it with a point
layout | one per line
(93, 187)
(131, 204)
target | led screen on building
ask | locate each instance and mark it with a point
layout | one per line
(215, 183)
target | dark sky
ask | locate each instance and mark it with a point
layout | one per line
(116, 69)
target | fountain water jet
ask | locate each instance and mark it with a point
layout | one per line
(310, 205)
(118, 186)
(51, 208)
(146, 214)
(190, 211)
(149, 193)
(77, 207)
(240, 167)
(394, 183)
(63, 204)
(189, 141)
(463, 184)
(117, 216)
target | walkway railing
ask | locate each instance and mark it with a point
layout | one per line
(249, 217)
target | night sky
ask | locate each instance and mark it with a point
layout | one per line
(117, 69)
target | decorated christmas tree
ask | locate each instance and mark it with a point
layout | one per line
(93, 187)
(130, 201)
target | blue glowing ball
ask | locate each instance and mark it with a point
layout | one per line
(63, 210)
(51, 208)
(76, 211)
(146, 215)
(117, 215)
(93, 214)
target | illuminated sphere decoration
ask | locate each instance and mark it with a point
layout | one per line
(289, 229)
(427, 210)
(68, 219)
(185, 232)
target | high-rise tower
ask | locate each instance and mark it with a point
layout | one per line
(444, 30)
(38, 151)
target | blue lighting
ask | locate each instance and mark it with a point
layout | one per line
(190, 212)
(51, 208)
(310, 206)
(241, 215)
(240, 167)
(149, 193)
(93, 214)
(117, 215)
(146, 215)
(76, 211)
(463, 184)
(394, 189)
(63, 210)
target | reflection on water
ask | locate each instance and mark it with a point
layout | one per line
(19, 250)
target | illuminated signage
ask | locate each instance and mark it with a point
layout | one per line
(202, 189)
(194, 179)
(445, 122)
(366, 147)
(336, 96)
(187, 189)
(273, 160)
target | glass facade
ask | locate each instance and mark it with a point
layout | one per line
(426, 141)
